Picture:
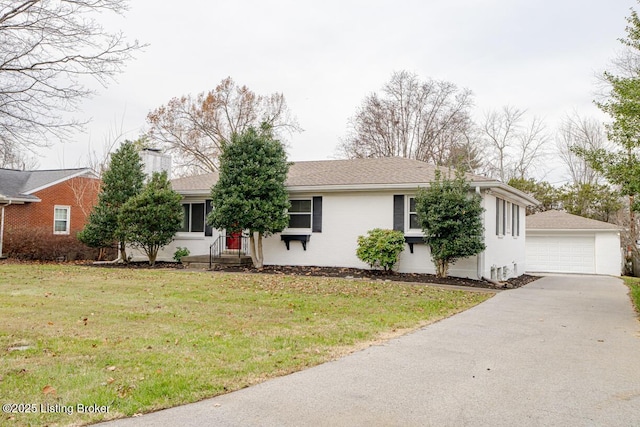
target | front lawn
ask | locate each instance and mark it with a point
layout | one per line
(135, 341)
(634, 287)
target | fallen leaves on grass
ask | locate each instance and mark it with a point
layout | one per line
(48, 390)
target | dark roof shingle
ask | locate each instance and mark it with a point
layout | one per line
(559, 220)
(17, 184)
(389, 170)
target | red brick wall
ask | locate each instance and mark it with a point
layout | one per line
(80, 193)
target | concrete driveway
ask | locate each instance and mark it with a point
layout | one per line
(562, 351)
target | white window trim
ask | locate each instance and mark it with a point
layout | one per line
(67, 220)
(407, 219)
(508, 215)
(310, 214)
(515, 222)
(501, 217)
(190, 219)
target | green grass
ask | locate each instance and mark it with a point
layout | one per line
(634, 287)
(142, 340)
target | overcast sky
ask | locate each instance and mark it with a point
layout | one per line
(326, 56)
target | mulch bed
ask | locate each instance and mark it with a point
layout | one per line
(351, 273)
(354, 273)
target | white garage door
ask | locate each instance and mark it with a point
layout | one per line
(561, 254)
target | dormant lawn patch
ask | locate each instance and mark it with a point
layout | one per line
(82, 344)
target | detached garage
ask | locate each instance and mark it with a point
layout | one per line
(558, 242)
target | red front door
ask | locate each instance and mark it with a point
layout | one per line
(234, 240)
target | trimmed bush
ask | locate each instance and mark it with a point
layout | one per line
(180, 252)
(381, 248)
(27, 243)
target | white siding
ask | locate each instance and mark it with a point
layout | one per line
(504, 252)
(608, 253)
(345, 216)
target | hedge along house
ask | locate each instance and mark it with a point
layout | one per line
(50, 202)
(335, 201)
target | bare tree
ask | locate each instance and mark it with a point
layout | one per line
(12, 157)
(427, 121)
(585, 134)
(193, 128)
(98, 160)
(530, 149)
(514, 147)
(47, 49)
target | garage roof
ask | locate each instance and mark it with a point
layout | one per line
(560, 220)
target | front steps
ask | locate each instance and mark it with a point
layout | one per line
(228, 259)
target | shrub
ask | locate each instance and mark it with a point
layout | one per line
(28, 243)
(450, 216)
(380, 248)
(149, 220)
(180, 252)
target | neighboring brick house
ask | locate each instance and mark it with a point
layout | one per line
(51, 204)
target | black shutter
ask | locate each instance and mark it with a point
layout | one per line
(208, 231)
(398, 212)
(504, 217)
(497, 216)
(317, 215)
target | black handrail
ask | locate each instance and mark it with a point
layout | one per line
(220, 245)
(216, 249)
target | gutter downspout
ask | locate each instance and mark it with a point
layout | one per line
(480, 256)
(2, 226)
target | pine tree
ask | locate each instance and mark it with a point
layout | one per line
(123, 179)
(621, 166)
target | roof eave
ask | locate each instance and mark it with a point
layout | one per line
(86, 171)
(582, 230)
(7, 200)
(508, 191)
(495, 186)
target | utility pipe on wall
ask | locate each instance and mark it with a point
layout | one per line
(480, 256)
(2, 224)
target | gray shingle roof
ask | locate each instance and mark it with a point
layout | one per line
(559, 220)
(16, 184)
(391, 170)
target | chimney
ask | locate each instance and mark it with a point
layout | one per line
(155, 161)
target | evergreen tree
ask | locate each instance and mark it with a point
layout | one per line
(150, 219)
(621, 166)
(250, 193)
(548, 196)
(450, 215)
(595, 201)
(123, 179)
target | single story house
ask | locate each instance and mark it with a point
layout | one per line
(558, 242)
(56, 202)
(335, 201)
